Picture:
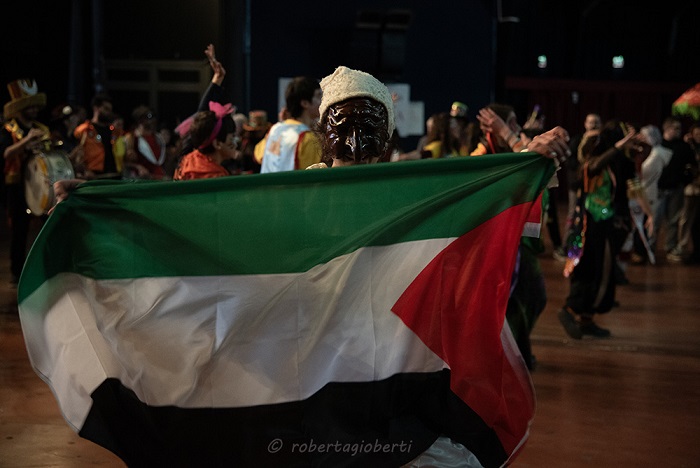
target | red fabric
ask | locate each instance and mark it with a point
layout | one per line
(155, 170)
(690, 96)
(196, 165)
(535, 214)
(457, 306)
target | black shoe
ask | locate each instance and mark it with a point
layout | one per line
(594, 330)
(621, 279)
(571, 326)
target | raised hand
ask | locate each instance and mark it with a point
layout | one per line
(217, 68)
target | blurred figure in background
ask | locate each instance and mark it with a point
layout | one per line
(441, 140)
(65, 119)
(291, 144)
(118, 142)
(652, 167)
(212, 134)
(20, 137)
(590, 263)
(254, 131)
(591, 123)
(688, 248)
(145, 148)
(674, 177)
(459, 125)
(94, 155)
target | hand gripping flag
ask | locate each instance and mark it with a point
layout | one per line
(343, 317)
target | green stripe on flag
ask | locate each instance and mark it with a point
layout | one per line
(273, 223)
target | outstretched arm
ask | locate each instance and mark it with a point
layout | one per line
(30, 142)
(490, 122)
(215, 92)
(551, 144)
(63, 188)
(629, 141)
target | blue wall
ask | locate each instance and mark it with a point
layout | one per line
(448, 51)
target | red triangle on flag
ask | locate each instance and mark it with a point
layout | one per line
(457, 306)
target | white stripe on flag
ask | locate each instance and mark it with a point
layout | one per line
(532, 229)
(231, 341)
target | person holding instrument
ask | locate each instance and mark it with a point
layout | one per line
(20, 138)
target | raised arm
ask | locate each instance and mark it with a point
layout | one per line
(215, 92)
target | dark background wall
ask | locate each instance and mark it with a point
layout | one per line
(446, 50)
(435, 54)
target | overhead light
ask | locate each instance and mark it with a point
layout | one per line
(618, 61)
(541, 61)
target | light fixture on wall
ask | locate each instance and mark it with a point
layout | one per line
(542, 61)
(618, 61)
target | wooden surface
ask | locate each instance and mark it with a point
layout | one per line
(632, 400)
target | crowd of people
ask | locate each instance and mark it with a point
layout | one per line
(625, 183)
(623, 180)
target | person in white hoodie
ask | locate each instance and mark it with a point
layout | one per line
(653, 165)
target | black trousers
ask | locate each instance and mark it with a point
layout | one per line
(19, 221)
(592, 287)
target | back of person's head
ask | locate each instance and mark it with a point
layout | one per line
(203, 126)
(610, 134)
(240, 120)
(651, 134)
(345, 83)
(670, 122)
(439, 127)
(100, 99)
(441, 132)
(301, 88)
(142, 113)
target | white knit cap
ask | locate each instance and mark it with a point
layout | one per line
(346, 83)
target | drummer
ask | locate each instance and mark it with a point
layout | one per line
(20, 137)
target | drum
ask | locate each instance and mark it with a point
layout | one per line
(43, 169)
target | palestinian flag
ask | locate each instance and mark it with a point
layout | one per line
(344, 317)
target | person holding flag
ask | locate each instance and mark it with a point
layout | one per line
(360, 330)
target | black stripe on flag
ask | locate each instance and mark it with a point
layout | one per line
(380, 423)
